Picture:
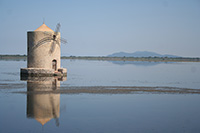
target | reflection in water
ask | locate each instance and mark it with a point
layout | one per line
(43, 103)
(140, 63)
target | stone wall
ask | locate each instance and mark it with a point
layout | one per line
(38, 50)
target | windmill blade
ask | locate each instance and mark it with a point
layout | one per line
(64, 41)
(58, 42)
(53, 46)
(57, 122)
(54, 113)
(42, 41)
(57, 29)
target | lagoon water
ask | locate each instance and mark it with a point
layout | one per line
(161, 97)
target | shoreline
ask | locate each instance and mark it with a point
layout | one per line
(105, 58)
(148, 59)
(116, 90)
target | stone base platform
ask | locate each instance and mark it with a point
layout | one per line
(43, 79)
(42, 72)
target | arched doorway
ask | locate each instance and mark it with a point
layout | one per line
(54, 64)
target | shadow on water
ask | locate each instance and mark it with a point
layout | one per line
(43, 104)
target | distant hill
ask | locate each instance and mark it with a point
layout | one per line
(140, 54)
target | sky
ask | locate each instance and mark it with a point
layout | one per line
(103, 27)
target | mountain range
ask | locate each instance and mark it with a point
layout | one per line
(140, 54)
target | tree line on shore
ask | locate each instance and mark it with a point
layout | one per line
(166, 59)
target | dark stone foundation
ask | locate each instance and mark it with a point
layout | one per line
(42, 72)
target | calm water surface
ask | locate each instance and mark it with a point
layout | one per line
(32, 106)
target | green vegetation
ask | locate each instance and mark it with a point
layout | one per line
(104, 58)
(13, 57)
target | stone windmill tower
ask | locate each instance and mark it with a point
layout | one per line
(43, 53)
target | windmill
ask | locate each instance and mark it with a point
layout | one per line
(53, 38)
(44, 52)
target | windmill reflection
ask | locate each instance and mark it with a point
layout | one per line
(43, 98)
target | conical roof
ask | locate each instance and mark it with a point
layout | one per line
(43, 120)
(43, 27)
